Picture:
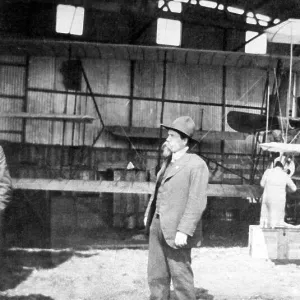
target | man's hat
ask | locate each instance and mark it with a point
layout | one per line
(183, 124)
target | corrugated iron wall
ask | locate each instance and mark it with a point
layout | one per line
(127, 94)
(12, 76)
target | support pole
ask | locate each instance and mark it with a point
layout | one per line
(163, 94)
(290, 88)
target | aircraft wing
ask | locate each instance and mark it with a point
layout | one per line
(281, 147)
(153, 133)
(251, 123)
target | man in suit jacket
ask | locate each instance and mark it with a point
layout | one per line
(173, 215)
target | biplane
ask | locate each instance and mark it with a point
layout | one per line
(279, 131)
(282, 131)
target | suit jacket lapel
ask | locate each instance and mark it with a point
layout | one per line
(176, 167)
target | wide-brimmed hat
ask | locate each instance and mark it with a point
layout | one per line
(184, 124)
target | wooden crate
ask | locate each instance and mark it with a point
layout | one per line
(277, 243)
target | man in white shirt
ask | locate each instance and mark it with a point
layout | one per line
(275, 181)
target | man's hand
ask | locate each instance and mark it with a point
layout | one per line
(180, 239)
(145, 221)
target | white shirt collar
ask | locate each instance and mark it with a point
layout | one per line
(178, 154)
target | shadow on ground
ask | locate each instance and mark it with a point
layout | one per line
(286, 261)
(219, 233)
(29, 297)
(200, 294)
(17, 265)
(216, 234)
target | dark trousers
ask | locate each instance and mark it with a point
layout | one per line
(165, 264)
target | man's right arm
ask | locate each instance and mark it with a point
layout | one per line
(291, 185)
(264, 178)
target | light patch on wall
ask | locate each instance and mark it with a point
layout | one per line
(168, 32)
(258, 45)
(206, 3)
(69, 19)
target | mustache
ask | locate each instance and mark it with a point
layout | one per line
(165, 145)
(166, 151)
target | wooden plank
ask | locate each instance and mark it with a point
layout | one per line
(93, 186)
(53, 117)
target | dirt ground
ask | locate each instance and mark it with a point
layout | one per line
(223, 269)
(220, 273)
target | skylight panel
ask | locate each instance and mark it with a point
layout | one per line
(175, 7)
(258, 45)
(69, 19)
(168, 32)
(207, 3)
(235, 10)
(263, 17)
(161, 3)
(251, 21)
(263, 23)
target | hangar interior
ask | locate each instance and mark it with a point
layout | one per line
(81, 112)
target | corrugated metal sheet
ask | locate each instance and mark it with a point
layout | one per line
(108, 76)
(113, 111)
(39, 131)
(12, 59)
(42, 72)
(175, 110)
(245, 87)
(199, 83)
(194, 83)
(11, 84)
(148, 82)
(12, 80)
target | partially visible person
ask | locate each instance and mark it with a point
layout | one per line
(5, 193)
(174, 215)
(276, 182)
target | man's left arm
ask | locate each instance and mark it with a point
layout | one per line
(197, 199)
